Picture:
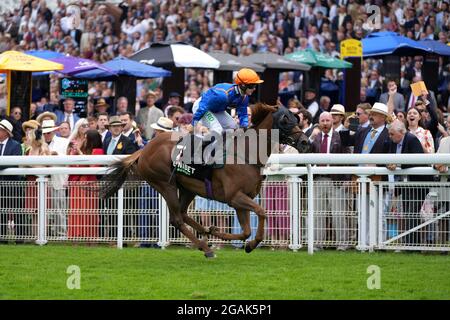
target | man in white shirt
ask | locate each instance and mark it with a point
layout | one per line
(250, 33)
(58, 182)
(310, 102)
(148, 115)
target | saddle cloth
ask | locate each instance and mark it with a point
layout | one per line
(195, 147)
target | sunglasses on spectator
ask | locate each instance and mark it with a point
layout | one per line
(85, 126)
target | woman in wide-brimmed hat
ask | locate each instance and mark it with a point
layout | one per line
(28, 126)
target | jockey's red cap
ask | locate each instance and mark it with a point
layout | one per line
(247, 76)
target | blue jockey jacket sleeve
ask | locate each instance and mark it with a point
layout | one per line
(242, 113)
(210, 99)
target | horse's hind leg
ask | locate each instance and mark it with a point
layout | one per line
(169, 192)
(243, 202)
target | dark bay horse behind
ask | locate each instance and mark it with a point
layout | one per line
(234, 184)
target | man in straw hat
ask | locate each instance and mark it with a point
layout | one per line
(374, 138)
(162, 125)
(8, 147)
(101, 106)
(117, 143)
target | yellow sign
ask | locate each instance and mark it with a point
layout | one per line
(419, 88)
(351, 48)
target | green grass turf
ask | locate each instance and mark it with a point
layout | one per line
(32, 272)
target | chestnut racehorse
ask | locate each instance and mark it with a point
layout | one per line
(234, 184)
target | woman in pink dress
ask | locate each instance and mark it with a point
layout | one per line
(83, 192)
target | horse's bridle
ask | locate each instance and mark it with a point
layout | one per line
(286, 136)
(289, 139)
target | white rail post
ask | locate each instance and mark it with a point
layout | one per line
(42, 206)
(380, 209)
(163, 223)
(373, 214)
(120, 218)
(362, 221)
(294, 196)
(310, 210)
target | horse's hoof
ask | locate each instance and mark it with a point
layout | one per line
(210, 255)
(247, 248)
(212, 230)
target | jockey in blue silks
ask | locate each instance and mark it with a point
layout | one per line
(210, 108)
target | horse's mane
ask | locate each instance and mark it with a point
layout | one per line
(260, 111)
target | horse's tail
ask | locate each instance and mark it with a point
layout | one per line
(118, 175)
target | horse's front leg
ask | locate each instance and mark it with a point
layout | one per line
(185, 198)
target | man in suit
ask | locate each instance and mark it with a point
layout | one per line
(9, 147)
(68, 114)
(341, 18)
(330, 197)
(394, 100)
(297, 22)
(412, 197)
(371, 139)
(130, 131)
(117, 143)
(306, 122)
(374, 87)
(102, 124)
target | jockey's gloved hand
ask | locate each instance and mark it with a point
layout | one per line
(198, 128)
